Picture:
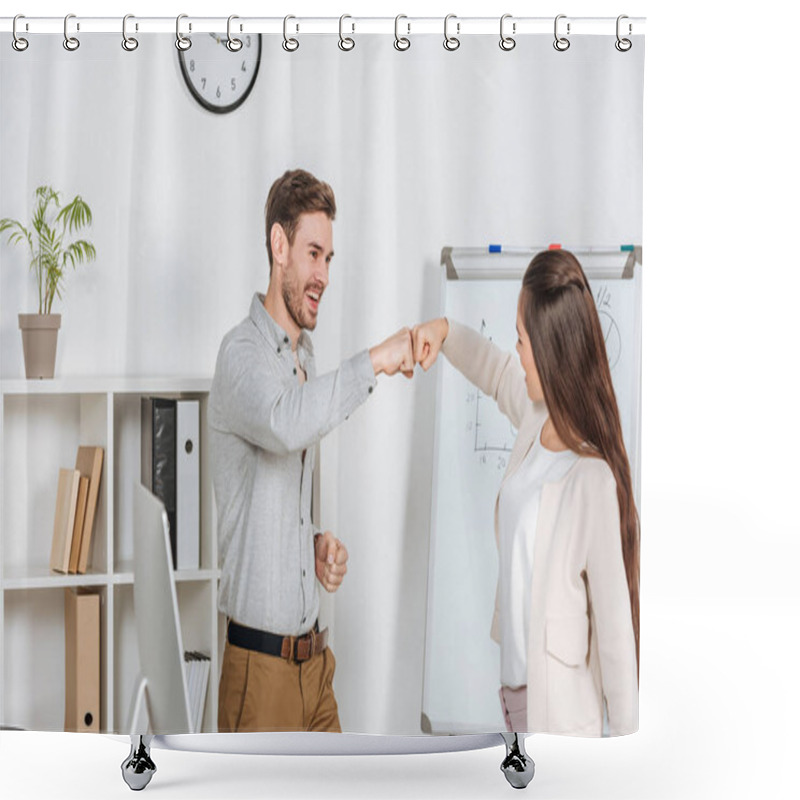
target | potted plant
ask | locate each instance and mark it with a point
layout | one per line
(50, 257)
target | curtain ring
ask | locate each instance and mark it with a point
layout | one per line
(182, 42)
(507, 42)
(345, 42)
(19, 44)
(623, 45)
(451, 42)
(289, 45)
(233, 44)
(401, 43)
(128, 42)
(71, 43)
(561, 43)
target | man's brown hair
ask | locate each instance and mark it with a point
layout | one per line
(296, 192)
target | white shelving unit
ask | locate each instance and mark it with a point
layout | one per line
(42, 423)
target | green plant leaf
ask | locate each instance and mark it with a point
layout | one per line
(19, 233)
(75, 215)
(78, 252)
(47, 194)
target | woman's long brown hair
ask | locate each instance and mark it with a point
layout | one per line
(561, 320)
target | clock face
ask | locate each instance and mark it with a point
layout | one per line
(218, 79)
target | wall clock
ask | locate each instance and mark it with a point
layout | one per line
(218, 79)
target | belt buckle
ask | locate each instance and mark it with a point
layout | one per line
(305, 646)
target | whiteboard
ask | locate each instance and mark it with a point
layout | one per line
(473, 441)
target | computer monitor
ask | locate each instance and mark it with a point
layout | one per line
(158, 629)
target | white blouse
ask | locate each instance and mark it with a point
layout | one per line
(518, 511)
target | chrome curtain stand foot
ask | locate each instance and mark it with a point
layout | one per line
(517, 766)
(138, 768)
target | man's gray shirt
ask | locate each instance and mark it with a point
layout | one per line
(261, 422)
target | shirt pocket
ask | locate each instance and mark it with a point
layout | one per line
(573, 704)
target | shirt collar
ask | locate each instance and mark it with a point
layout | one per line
(270, 329)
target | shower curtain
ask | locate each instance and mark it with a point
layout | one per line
(425, 149)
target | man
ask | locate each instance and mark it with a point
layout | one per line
(267, 409)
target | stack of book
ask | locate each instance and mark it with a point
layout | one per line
(76, 505)
(198, 667)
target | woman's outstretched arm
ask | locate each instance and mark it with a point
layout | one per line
(495, 372)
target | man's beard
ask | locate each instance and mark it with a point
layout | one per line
(293, 299)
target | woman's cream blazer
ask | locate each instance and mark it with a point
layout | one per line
(581, 648)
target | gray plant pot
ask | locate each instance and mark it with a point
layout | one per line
(39, 339)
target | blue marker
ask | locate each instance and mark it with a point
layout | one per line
(499, 248)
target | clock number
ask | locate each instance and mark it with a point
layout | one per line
(204, 83)
(191, 66)
(247, 41)
(219, 93)
(233, 84)
(244, 66)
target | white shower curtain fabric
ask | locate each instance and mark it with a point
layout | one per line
(423, 149)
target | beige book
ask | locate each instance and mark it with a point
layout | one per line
(80, 515)
(90, 465)
(66, 505)
(81, 660)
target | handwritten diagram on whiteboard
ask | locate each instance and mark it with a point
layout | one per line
(473, 442)
(493, 432)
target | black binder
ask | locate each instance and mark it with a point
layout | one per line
(159, 458)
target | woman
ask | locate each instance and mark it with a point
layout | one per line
(567, 611)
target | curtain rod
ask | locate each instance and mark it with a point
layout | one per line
(349, 25)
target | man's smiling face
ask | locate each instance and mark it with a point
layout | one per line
(305, 274)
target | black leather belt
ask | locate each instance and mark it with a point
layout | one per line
(292, 648)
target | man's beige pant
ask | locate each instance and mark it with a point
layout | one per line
(258, 692)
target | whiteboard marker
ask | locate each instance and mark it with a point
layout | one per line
(499, 248)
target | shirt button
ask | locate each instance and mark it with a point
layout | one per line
(302, 521)
(295, 370)
(286, 340)
(370, 390)
(304, 574)
(279, 349)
